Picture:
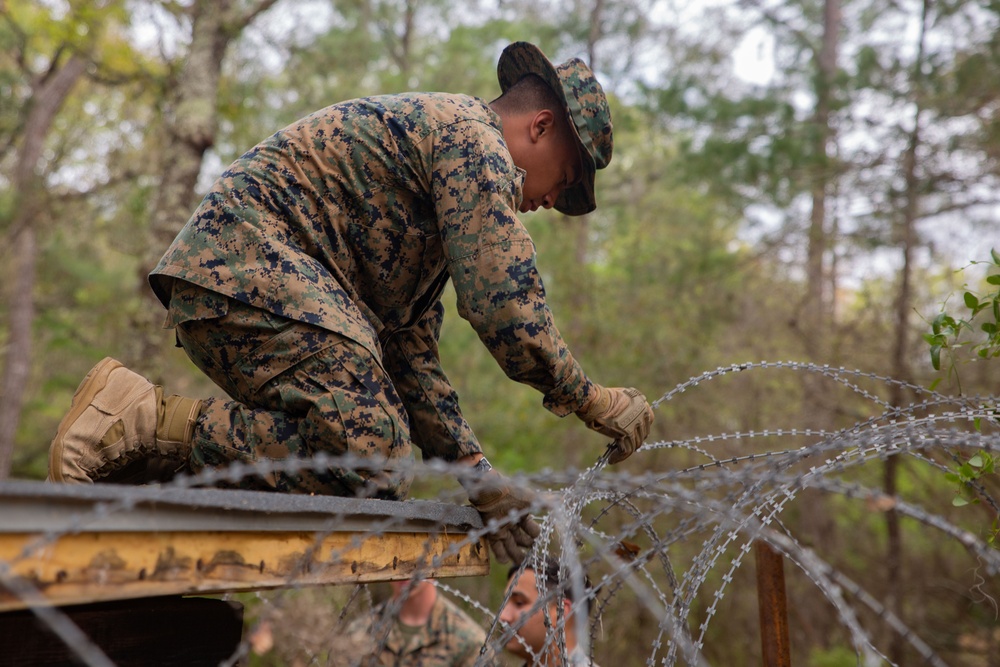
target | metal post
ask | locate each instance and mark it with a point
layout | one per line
(772, 605)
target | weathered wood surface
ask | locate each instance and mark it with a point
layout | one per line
(62, 544)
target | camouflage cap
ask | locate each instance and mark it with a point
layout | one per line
(587, 108)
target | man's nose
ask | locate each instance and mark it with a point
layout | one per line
(505, 614)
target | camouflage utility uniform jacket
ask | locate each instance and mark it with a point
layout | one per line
(354, 218)
(449, 639)
(576, 658)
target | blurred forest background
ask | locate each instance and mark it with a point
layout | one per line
(804, 180)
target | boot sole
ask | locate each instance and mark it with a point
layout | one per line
(91, 385)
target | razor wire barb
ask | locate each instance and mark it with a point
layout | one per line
(698, 522)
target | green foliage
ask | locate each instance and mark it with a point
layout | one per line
(968, 477)
(837, 656)
(967, 474)
(947, 331)
(947, 336)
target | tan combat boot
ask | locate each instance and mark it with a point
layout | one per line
(118, 417)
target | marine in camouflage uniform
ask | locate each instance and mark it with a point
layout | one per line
(405, 192)
(449, 638)
(538, 629)
(307, 285)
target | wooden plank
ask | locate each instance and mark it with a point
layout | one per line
(63, 544)
(91, 567)
(195, 632)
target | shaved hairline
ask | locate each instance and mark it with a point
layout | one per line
(531, 94)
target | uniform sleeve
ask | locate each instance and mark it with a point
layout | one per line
(469, 657)
(436, 422)
(467, 654)
(491, 259)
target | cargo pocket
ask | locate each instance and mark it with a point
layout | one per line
(290, 347)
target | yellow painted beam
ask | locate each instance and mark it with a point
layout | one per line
(97, 566)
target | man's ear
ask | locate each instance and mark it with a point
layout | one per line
(542, 122)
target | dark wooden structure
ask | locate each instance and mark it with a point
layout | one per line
(186, 632)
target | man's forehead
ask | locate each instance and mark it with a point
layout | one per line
(525, 584)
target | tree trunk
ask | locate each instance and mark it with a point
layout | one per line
(815, 321)
(190, 123)
(595, 33)
(189, 126)
(817, 305)
(48, 95)
(816, 525)
(908, 240)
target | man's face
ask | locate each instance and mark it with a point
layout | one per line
(530, 634)
(552, 162)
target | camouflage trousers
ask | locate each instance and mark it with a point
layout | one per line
(298, 390)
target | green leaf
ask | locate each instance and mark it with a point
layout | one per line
(959, 501)
(976, 461)
(937, 322)
(936, 357)
(994, 279)
(995, 255)
(971, 301)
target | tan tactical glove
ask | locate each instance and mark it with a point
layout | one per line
(622, 414)
(494, 496)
